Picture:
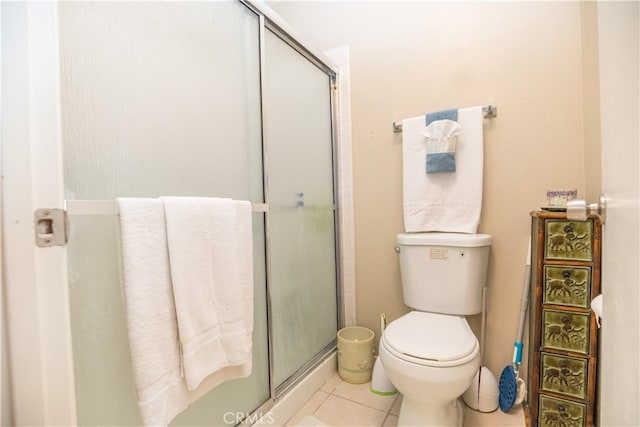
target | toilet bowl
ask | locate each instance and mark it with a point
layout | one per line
(431, 359)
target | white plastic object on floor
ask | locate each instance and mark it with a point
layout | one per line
(380, 383)
(483, 393)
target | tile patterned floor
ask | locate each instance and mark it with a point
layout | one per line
(339, 403)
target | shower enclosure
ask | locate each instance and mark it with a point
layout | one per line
(197, 99)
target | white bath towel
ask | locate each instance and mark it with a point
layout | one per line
(151, 316)
(211, 258)
(448, 202)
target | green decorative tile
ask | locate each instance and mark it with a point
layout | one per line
(566, 375)
(560, 413)
(569, 240)
(566, 331)
(567, 286)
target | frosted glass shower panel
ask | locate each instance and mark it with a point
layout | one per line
(158, 98)
(301, 207)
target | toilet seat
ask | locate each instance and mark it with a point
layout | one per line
(431, 339)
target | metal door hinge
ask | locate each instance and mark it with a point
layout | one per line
(51, 227)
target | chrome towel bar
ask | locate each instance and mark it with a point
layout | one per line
(490, 111)
(110, 207)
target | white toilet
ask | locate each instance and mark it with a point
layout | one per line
(430, 354)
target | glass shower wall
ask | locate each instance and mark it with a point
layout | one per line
(158, 98)
(171, 98)
(302, 273)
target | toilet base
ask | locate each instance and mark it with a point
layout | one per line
(420, 414)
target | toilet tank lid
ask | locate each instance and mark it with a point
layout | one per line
(444, 239)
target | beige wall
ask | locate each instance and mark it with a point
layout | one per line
(408, 58)
(591, 104)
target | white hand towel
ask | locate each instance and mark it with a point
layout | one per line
(443, 202)
(211, 258)
(151, 316)
(440, 138)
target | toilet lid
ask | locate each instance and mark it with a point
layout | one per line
(430, 336)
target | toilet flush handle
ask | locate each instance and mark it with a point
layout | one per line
(398, 249)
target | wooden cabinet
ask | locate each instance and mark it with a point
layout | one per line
(563, 334)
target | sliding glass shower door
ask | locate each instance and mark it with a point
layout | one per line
(158, 98)
(299, 159)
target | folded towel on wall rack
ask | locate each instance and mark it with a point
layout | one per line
(448, 202)
(441, 138)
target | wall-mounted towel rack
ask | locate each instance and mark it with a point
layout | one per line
(490, 111)
(110, 207)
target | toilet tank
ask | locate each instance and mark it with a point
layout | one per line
(444, 272)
